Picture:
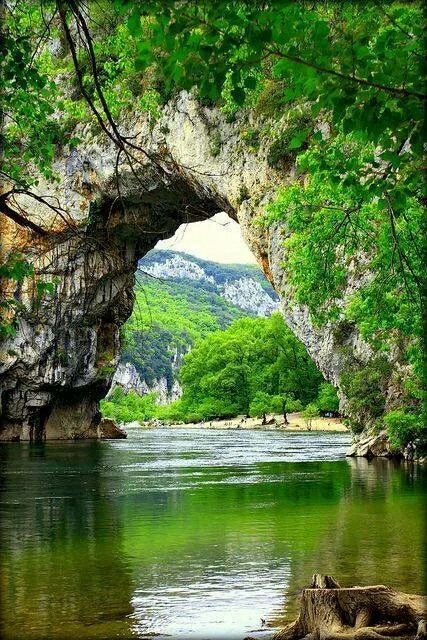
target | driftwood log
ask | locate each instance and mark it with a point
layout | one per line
(330, 612)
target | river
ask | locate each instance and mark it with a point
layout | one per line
(195, 534)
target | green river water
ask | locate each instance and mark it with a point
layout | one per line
(195, 534)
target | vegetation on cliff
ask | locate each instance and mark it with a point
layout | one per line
(336, 88)
(167, 320)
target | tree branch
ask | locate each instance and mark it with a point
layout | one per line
(392, 90)
(6, 210)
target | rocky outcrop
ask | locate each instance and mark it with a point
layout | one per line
(371, 446)
(61, 361)
(249, 295)
(109, 430)
(244, 291)
(178, 267)
(127, 378)
(165, 394)
(377, 445)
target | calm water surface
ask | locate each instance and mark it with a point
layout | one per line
(195, 534)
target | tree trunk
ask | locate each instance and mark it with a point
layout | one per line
(365, 613)
(264, 418)
(285, 416)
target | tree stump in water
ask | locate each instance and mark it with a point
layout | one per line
(330, 612)
(320, 581)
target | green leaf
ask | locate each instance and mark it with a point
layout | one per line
(298, 139)
(250, 82)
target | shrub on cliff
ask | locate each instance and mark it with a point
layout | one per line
(405, 429)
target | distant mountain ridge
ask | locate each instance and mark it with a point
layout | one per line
(180, 299)
(244, 286)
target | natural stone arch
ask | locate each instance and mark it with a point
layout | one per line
(71, 343)
(59, 365)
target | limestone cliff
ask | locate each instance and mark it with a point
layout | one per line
(127, 378)
(61, 360)
(243, 287)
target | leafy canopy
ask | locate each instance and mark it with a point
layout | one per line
(225, 372)
(254, 367)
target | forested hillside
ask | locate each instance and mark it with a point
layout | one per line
(180, 299)
(228, 357)
(176, 264)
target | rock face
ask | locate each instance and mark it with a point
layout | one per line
(177, 266)
(164, 394)
(242, 289)
(376, 445)
(371, 445)
(61, 361)
(250, 296)
(127, 378)
(109, 430)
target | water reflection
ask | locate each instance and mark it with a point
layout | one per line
(63, 572)
(193, 534)
(378, 523)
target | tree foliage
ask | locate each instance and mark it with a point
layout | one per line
(327, 399)
(129, 407)
(250, 368)
(253, 367)
(169, 316)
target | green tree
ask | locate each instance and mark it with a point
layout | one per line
(260, 405)
(309, 413)
(327, 400)
(255, 360)
(406, 429)
(124, 407)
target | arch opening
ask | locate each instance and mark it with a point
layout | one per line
(188, 287)
(66, 348)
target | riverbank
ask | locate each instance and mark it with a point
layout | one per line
(274, 422)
